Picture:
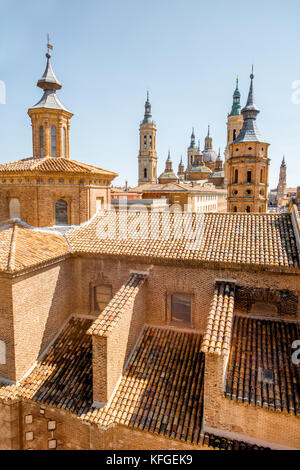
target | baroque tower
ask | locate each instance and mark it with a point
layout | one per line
(234, 123)
(192, 150)
(281, 188)
(248, 164)
(50, 120)
(147, 155)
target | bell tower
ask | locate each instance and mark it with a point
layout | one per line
(248, 164)
(50, 120)
(147, 155)
(281, 187)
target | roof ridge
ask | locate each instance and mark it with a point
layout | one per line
(12, 249)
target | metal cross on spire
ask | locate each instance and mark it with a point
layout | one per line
(49, 46)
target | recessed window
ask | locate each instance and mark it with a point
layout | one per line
(249, 176)
(234, 134)
(53, 141)
(102, 296)
(249, 148)
(181, 308)
(235, 209)
(64, 142)
(145, 141)
(14, 208)
(236, 150)
(145, 172)
(248, 209)
(236, 176)
(235, 192)
(61, 212)
(41, 139)
(248, 191)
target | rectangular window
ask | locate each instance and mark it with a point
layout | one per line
(181, 308)
(248, 176)
(103, 295)
(99, 204)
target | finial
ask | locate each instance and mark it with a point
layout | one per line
(252, 75)
(237, 82)
(169, 156)
(49, 47)
(208, 130)
(147, 95)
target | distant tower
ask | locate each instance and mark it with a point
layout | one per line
(181, 169)
(234, 122)
(192, 149)
(209, 155)
(168, 176)
(147, 155)
(248, 164)
(281, 188)
(50, 120)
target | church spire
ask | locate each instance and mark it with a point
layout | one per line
(147, 115)
(193, 139)
(249, 131)
(236, 105)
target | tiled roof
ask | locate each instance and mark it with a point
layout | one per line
(258, 345)
(63, 377)
(22, 246)
(218, 331)
(112, 313)
(182, 187)
(161, 390)
(265, 240)
(50, 165)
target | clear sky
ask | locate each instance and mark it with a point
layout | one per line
(187, 52)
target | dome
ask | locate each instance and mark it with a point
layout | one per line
(199, 169)
(209, 156)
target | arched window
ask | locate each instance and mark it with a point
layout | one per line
(234, 134)
(61, 212)
(261, 175)
(235, 209)
(41, 138)
(248, 209)
(53, 141)
(249, 176)
(145, 141)
(236, 176)
(14, 209)
(150, 141)
(64, 142)
(145, 172)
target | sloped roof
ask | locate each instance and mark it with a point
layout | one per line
(161, 390)
(123, 299)
(22, 246)
(266, 240)
(50, 165)
(216, 339)
(258, 345)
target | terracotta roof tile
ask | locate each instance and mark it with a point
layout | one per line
(255, 239)
(218, 330)
(161, 390)
(22, 246)
(264, 345)
(123, 300)
(50, 165)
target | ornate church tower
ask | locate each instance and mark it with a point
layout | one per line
(50, 120)
(147, 154)
(281, 188)
(248, 164)
(234, 123)
(192, 150)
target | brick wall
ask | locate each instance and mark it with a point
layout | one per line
(42, 302)
(242, 421)
(111, 353)
(7, 371)
(9, 426)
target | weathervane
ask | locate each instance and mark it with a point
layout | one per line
(49, 46)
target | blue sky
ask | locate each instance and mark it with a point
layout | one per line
(188, 53)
